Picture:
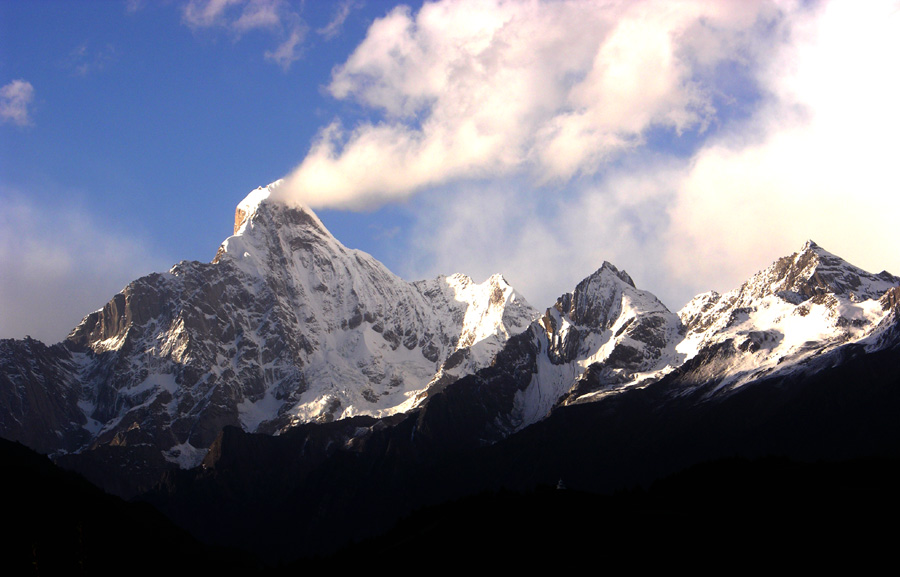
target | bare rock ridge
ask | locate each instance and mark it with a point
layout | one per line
(286, 327)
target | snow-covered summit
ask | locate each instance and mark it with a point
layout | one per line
(812, 275)
(261, 222)
(604, 336)
(494, 308)
(247, 207)
(290, 245)
(800, 306)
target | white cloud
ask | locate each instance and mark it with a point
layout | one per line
(535, 132)
(545, 244)
(15, 102)
(822, 164)
(553, 89)
(260, 14)
(66, 265)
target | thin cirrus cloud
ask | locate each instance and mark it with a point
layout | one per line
(242, 16)
(288, 51)
(333, 28)
(16, 100)
(86, 59)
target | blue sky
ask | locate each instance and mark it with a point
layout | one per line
(688, 143)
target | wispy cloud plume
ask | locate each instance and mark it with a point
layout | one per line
(206, 13)
(288, 51)
(260, 14)
(16, 99)
(691, 142)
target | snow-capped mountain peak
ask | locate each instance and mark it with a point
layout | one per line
(609, 336)
(814, 271)
(811, 276)
(493, 308)
(802, 305)
(263, 225)
(247, 207)
(605, 336)
(285, 326)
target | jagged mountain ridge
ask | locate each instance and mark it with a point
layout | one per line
(287, 326)
(608, 337)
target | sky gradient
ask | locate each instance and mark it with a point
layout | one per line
(688, 143)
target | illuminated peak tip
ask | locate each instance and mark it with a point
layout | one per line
(251, 202)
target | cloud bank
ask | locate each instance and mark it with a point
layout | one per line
(474, 89)
(691, 142)
(818, 162)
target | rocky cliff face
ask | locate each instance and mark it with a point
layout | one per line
(605, 335)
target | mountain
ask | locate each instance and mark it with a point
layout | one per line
(799, 307)
(294, 395)
(608, 337)
(633, 393)
(285, 326)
